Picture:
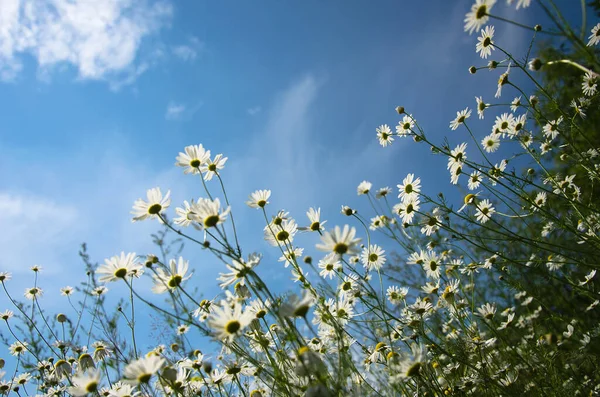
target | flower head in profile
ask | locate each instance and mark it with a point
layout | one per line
(229, 320)
(33, 293)
(314, 217)
(481, 106)
(485, 43)
(296, 306)
(118, 267)
(339, 241)
(85, 383)
(594, 38)
(364, 188)
(502, 80)
(151, 208)
(172, 279)
(478, 16)
(141, 371)
(195, 156)
(259, 199)
(461, 117)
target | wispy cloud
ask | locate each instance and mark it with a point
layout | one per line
(188, 52)
(254, 110)
(100, 39)
(180, 111)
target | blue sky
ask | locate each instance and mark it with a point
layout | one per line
(98, 98)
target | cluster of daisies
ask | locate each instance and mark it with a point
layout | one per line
(442, 312)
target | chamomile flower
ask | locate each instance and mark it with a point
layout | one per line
(85, 383)
(485, 43)
(384, 134)
(520, 3)
(458, 155)
(363, 188)
(291, 256)
(67, 291)
(460, 118)
(431, 223)
(373, 257)
(502, 80)
(407, 209)
(551, 128)
(208, 213)
(229, 320)
(396, 295)
(194, 157)
(539, 201)
(474, 180)
(33, 293)
(172, 279)
(339, 241)
(329, 266)
(410, 187)
(485, 210)
(282, 233)
(515, 104)
(18, 348)
(383, 192)
(314, 217)
(503, 124)
(259, 199)
(150, 209)
(211, 167)
(405, 126)
(481, 106)
(491, 143)
(296, 306)
(478, 16)
(141, 371)
(119, 267)
(594, 38)
(186, 214)
(487, 311)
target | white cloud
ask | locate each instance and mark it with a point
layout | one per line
(100, 39)
(254, 110)
(36, 231)
(174, 111)
(188, 52)
(179, 111)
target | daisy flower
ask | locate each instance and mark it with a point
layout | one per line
(210, 168)
(487, 311)
(118, 267)
(410, 187)
(485, 43)
(503, 124)
(206, 212)
(33, 293)
(406, 210)
(169, 280)
(589, 85)
(384, 134)
(485, 210)
(296, 306)
(518, 125)
(314, 217)
(431, 265)
(141, 370)
(194, 157)
(460, 118)
(432, 223)
(515, 104)
(291, 256)
(155, 205)
(18, 348)
(457, 156)
(521, 3)
(595, 36)
(283, 233)
(551, 128)
(329, 266)
(228, 320)
(341, 308)
(383, 192)
(259, 199)
(396, 295)
(373, 258)
(474, 180)
(339, 241)
(405, 126)
(186, 214)
(539, 201)
(85, 383)
(491, 143)
(481, 106)
(502, 80)
(478, 16)
(364, 188)
(67, 291)
(411, 365)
